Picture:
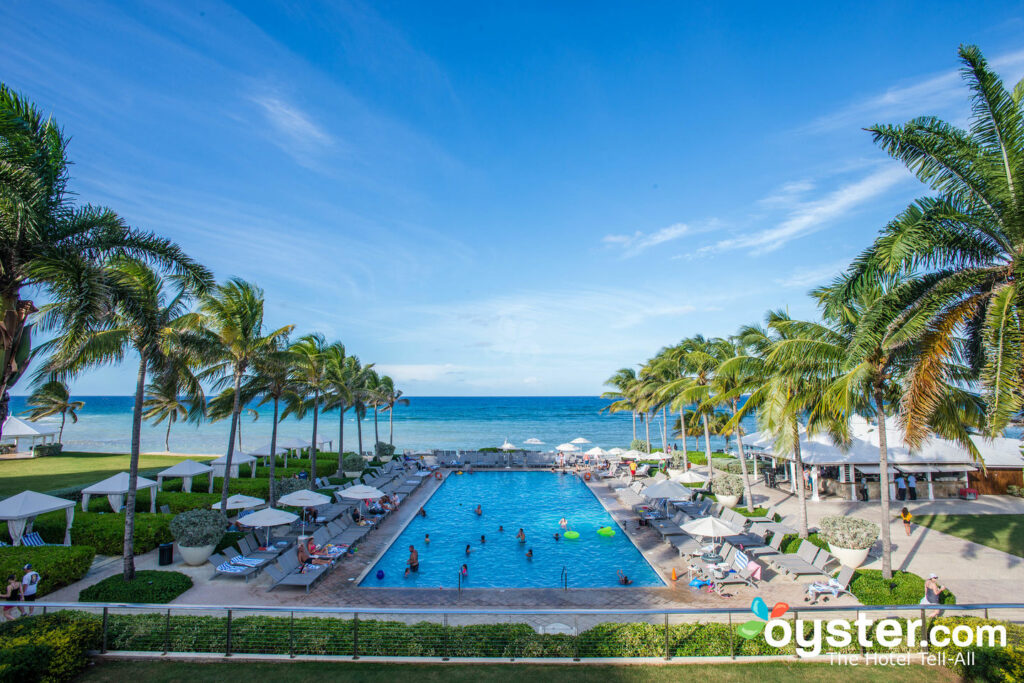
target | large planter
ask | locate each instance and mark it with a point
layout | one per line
(851, 557)
(353, 475)
(386, 458)
(196, 555)
(728, 501)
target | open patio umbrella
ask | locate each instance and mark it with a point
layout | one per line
(580, 440)
(710, 527)
(534, 442)
(615, 451)
(566, 448)
(597, 451)
(239, 502)
(690, 477)
(507, 446)
(304, 498)
(362, 492)
(665, 489)
(633, 455)
(266, 518)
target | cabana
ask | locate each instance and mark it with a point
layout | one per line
(186, 469)
(237, 458)
(19, 431)
(21, 510)
(115, 488)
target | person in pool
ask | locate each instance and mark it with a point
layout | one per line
(413, 563)
(563, 522)
(479, 510)
(501, 529)
(529, 554)
(468, 549)
(426, 538)
(465, 570)
(423, 512)
(623, 579)
(483, 539)
(521, 536)
(556, 536)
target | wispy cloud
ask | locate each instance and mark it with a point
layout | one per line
(816, 275)
(421, 372)
(809, 216)
(638, 242)
(294, 131)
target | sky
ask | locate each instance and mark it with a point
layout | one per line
(501, 198)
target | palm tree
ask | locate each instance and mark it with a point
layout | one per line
(347, 377)
(727, 388)
(310, 378)
(373, 400)
(53, 246)
(53, 398)
(141, 316)
(270, 381)
(361, 396)
(163, 402)
(229, 342)
(865, 359)
(391, 397)
(966, 244)
(623, 383)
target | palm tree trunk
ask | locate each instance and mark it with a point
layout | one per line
(273, 451)
(376, 432)
(60, 436)
(743, 466)
(883, 489)
(231, 443)
(682, 430)
(801, 494)
(664, 431)
(634, 424)
(359, 429)
(312, 449)
(133, 473)
(391, 426)
(341, 440)
(167, 437)
(707, 447)
(647, 429)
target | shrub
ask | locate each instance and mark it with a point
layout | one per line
(148, 587)
(868, 586)
(352, 463)
(727, 485)
(286, 486)
(639, 445)
(42, 450)
(61, 640)
(383, 450)
(848, 532)
(58, 566)
(104, 532)
(986, 663)
(791, 542)
(197, 528)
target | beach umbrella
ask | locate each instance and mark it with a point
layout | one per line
(534, 441)
(633, 455)
(304, 498)
(239, 502)
(362, 492)
(665, 489)
(656, 455)
(507, 446)
(616, 451)
(566, 448)
(690, 477)
(597, 451)
(266, 518)
(580, 440)
(710, 527)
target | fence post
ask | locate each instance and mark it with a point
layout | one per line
(103, 645)
(167, 632)
(861, 646)
(355, 635)
(227, 645)
(732, 647)
(291, 635)
(444, 639)
(668, 655)
(576, 640)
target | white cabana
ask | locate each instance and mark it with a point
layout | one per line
(237, 458)
(115, 488)
(304, 498)
(19, 431)
(186, 469)
(361, 492)
(240, 502)
(534, 441)
(665, 489)
(21, 510)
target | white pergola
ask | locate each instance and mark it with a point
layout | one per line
(19, 431)
(237, 458)
(186, 469)
(21, 510)
(115, 488)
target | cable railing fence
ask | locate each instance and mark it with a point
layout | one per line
(446, 634)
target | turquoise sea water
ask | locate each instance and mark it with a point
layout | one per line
(428, 422)
(532, 501)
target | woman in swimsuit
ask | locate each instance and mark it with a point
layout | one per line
(13, 594)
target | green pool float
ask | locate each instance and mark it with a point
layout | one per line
(606, 531)
(572, 534)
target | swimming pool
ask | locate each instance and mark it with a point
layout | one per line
(532, 501)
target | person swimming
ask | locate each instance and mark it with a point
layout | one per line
(529, 554)
(483, 539)
(413, 563)
(423, 512)
(465, 570)
(563, 522)
(501, 529)
(556, 535)
(623, 579)
(426, 538)
(479, 510)
(468, 549)
(521, 536)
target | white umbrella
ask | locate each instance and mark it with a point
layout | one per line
(240, 502)
(304, 498)
(690, 477)
(656, 455)
(566, 448)
(361, 492)
(580, 440)
(710, 527)
(268, 517)
(597, 451)
(615, 451)
(633, 455)
(665, 489)
(507, 446)
(534, 442)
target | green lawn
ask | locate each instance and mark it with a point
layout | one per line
(71, 469)
(769, 672)
(1002, 532)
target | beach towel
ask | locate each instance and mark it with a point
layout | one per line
(247, 561)
(229, 568)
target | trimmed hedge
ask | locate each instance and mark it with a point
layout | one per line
(868, 586)
(104, 532)
(53, 646)
(148, 587)
(989, 663)
(177, 501)
(57, 566)
(791, 542)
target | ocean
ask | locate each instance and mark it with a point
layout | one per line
(104, 425)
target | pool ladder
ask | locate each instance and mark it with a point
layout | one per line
(564, 579)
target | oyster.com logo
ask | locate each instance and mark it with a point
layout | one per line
(759, 607)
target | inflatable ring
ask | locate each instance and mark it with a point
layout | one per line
(606, 531)
(459, 472)
(438, 475)
(572, 535)
(586, 476)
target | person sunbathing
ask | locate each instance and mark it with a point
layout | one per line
(306, 558)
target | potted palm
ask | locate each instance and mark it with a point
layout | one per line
(727, 489)
(197, 533)
(678, 466)
(849, 538)
(352, 465)
(384, 451)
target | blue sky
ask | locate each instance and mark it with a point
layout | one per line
(501, 198)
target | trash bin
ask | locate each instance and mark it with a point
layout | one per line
(166, 554)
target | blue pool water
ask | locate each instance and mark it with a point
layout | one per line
(533, 501)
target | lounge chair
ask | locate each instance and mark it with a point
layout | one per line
(835, 586)
(305, 579)
(223, 567)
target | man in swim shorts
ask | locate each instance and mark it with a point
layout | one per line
(413, 562)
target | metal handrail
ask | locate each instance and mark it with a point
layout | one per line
(89, 606)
